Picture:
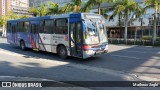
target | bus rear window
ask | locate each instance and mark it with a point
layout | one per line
(8, 27)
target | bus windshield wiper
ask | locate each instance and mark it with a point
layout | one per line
(93, 23)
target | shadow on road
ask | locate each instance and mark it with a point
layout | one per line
(143, 63)
(65, 73)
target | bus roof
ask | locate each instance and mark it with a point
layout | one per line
(47, 17)
(74, 15)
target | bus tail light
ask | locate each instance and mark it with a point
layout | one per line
(66, 38)
(86, 47)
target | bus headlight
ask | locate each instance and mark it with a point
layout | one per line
(106, 48)
(90, 52)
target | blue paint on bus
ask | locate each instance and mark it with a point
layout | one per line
(32, 37)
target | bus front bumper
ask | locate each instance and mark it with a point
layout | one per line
(101, 52)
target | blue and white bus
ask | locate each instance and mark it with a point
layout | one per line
(80, 35)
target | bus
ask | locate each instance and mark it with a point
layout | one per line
(81, 35)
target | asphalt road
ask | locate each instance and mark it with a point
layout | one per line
(122, 63)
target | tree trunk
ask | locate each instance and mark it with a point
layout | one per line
(120, 25)
(126, 27)
(3, 31)
(99, 8)
(154, 29)
(135, 37)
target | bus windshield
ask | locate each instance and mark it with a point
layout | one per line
(95, 30)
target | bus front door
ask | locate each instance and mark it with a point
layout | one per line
(76, 39)
(34, 36)
(14, 34)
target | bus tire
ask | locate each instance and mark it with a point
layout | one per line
(62, 52)
(22, 45)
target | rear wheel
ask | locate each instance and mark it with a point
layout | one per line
(62, 52)
(22, 45)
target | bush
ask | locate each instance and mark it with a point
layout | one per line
(147, 37)
(138, 42)
(158, 38)
(150, 38)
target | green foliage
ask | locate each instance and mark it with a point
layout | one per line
(155, 4)
(127, 7)
(2, 21)
(147, 37)
(73, 6)
(92, 3)
(54, 8)
(12, 15)
(24, 16)
(40, 11)
(9, 16)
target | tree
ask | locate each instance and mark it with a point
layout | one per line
(127, 7)
(11, 15)
(92, 3)
(3, 21)
(54, 8)
(155, 4)
(74, 5)
(40, 11)
(2, 24)
(23, 16)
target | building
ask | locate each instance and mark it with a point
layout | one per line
(142, 26)
(5, 7)
(20, 6)
(37, 3)
(17, 6)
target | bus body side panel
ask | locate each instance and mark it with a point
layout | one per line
(9, 37)
(45, 42)
(59, 39)
(49, 42)
(24, 36)
(14, 33)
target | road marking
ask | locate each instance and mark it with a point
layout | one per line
(125, 56)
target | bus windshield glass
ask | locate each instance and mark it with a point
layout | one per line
(95, 29)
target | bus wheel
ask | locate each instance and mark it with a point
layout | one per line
(62, 52)
(22, 45)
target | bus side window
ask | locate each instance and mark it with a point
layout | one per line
(41, 26)
(20, 27)
(47, 27)
(61, 26)
(44, 27)
(26, 26)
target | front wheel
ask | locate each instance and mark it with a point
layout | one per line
(62, 52)
(22, 45)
